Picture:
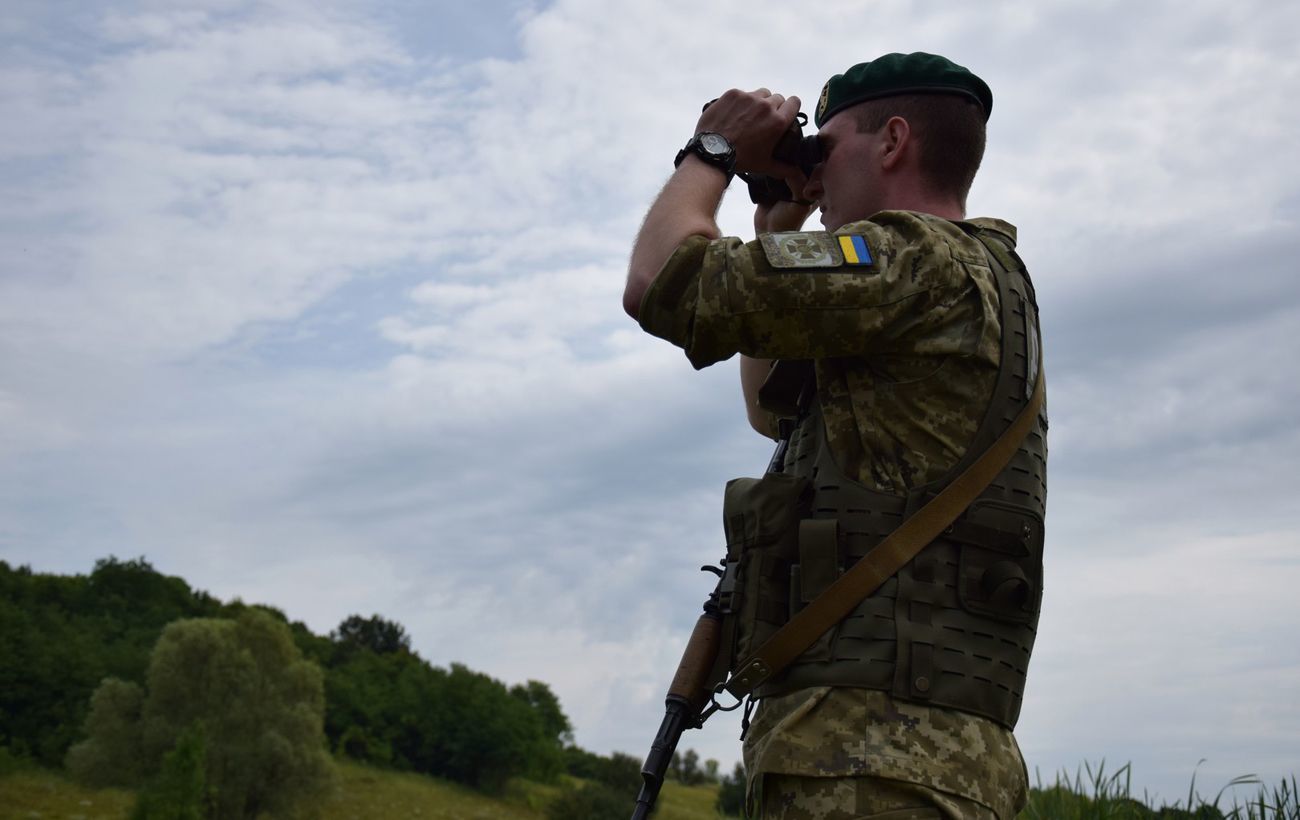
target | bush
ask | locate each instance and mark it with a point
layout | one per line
(11, 761)
(620, 772)
(179, 792)
(593, 801)
(731, 794)
(111, 753)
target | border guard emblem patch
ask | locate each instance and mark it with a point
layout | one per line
(814, 249)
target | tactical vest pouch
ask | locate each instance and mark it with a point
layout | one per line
(1000, 564)
(761, 517)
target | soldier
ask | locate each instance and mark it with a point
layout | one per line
(921, 330)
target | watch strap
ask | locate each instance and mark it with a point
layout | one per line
(726, 164)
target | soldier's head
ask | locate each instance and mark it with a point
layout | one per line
(896, 127)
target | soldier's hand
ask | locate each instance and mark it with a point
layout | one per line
(753, 122)
(781, 216)
(785, 215)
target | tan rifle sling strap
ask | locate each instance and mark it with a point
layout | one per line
(885, 559)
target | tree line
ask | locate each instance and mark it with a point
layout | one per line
(132, 678)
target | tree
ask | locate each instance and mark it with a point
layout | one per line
(690, 773)
(245, 688)
(711, 770)
(620, 772)
(180, 790)
(473, 731)
(685, 768)
(111, 754)
(61, 636)
(731, 794)
(547, 706)
(261, 705)
(374, 633)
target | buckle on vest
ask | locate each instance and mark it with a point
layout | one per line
(747, 678)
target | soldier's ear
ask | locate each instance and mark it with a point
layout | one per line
(895, 142)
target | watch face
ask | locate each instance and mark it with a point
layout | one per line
(715, 144)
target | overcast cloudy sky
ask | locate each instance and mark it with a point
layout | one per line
(317, 303)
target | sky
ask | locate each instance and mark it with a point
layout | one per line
(318, 304)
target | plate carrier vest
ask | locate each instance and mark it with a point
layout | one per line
(955, 627)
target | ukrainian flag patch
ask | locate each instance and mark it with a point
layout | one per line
(855, 250)
(790, 250)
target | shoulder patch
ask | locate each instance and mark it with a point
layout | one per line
(814, 249)
(854, 246)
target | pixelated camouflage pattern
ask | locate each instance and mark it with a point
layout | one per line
(907, 354)
(786, 797)
(843, 732)
(906, 348)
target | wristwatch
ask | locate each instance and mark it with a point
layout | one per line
(714, 149)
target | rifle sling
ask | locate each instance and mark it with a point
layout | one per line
(885, 559)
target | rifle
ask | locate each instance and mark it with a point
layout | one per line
(683, 707)
(691, 700)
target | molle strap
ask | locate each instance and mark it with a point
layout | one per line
(922, 669)
(993, 242)
(1003, 260)
(819, 556)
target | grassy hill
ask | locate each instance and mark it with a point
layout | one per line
(362, 793)
(365, 793)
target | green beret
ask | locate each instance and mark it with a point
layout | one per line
(895, 74)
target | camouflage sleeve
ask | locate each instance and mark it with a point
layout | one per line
(798, 295)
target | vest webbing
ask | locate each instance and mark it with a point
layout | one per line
(946, 620)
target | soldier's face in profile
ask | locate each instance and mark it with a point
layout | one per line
(844, 183)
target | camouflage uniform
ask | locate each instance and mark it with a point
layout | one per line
(906, 353)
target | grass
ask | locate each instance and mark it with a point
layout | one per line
(678, 802)
(365, 793)
(1095, 795)
(36, 794)
(361, 793)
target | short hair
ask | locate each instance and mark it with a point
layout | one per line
(949, 129)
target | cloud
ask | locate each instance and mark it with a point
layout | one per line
(318, 305)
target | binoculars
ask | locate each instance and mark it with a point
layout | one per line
(792, 149)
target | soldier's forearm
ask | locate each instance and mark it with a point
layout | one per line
(685, 207)
(753, 372)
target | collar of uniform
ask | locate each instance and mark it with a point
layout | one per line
(997, 225)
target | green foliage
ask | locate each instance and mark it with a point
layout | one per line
(556, 731)
(731, 793)
(1092, 795)
(374, 633)
(591, 801)
(179, 792)
(10, 762)
(60, 636)
(478, 734)
(620, 772)
(260, 702)
(112, 754)
(540, 698)
(685, 769)
(395, 708)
